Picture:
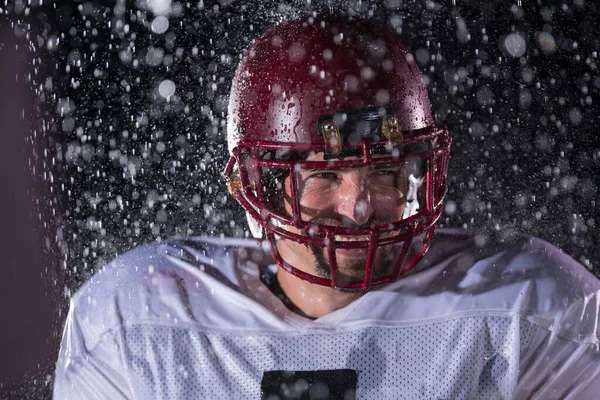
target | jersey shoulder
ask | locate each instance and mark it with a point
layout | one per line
(508, 257)
(175, 282)
(518, 273)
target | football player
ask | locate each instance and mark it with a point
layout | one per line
(348, 293)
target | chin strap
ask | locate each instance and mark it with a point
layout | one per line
(269, 279)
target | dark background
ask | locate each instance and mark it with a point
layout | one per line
(95, 160)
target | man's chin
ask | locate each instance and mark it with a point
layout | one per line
(351, 270)
(351, 265)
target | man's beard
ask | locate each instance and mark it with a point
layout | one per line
(385, 258)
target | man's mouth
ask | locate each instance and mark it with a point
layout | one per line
(353, 238)
(359, 252)
(359, 246)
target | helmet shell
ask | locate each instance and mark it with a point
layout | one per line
(306, 68)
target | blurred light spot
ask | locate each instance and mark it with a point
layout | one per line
(575, 116)
(160, 24)
(392, 4)
(160, 7)
(422, 56)
(525, 98)
(377, 48)
(514, 44)
(544, 142)
(52, 43)
(547, 42)
(65, 106)
(351, 83)
(462, 32)
(450, 207)
(154, 56)
(68, 124)
(383, 97)
(276, 41)
(521, 200)
(477, 129)
(481, 240)
(296, 52)
(527, 74)
(485, 95)
(367, 73)
(125, 56)
(166, 88)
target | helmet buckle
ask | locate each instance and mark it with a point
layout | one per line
(391, 130)
(234, 183)
(331, 137)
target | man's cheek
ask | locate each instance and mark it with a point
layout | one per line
(389, 203)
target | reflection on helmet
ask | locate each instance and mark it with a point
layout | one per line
(317, 100)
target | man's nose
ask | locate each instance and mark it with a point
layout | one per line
(354, 201)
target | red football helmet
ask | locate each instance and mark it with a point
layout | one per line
(323, 94)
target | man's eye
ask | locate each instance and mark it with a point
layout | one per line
(323, 175)
(385, 172)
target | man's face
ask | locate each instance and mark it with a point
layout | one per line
(354, 197)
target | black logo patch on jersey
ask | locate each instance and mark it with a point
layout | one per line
(332, 384)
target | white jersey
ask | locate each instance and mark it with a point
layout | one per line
(191, 319)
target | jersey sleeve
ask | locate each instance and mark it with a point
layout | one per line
(562, 359)
(86, 370)
(553, 367)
